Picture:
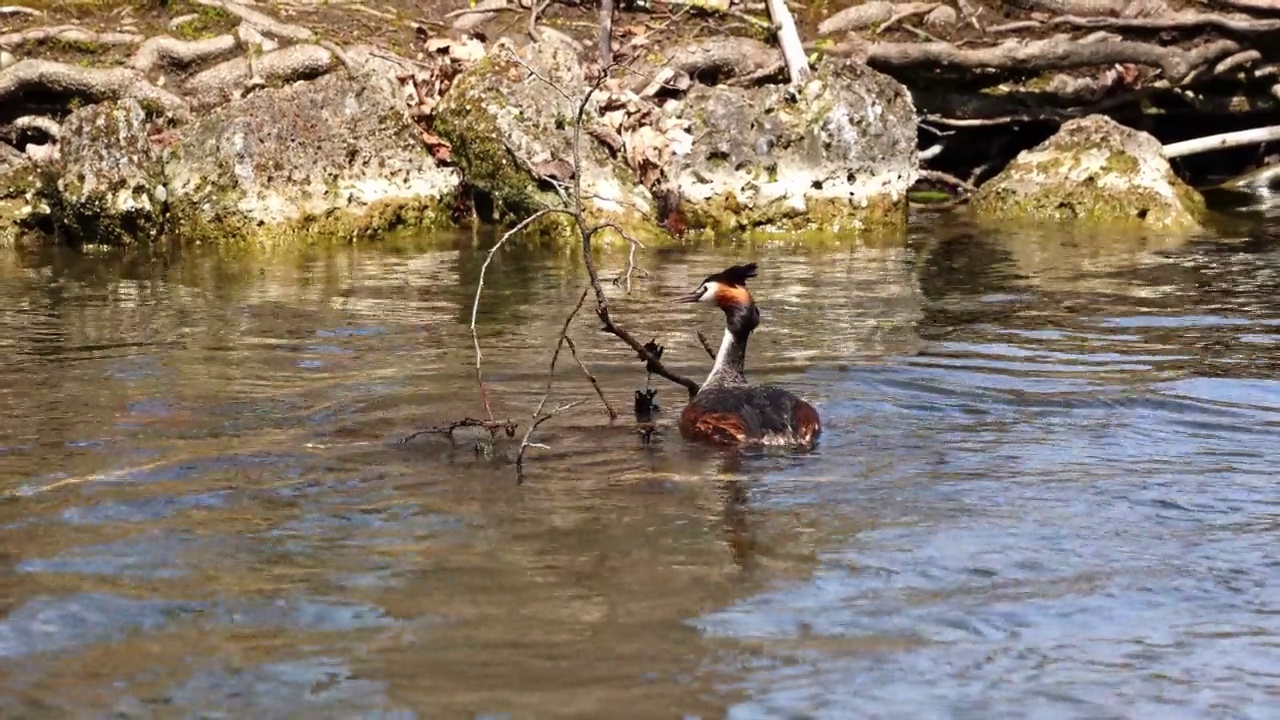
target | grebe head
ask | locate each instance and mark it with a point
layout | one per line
(726, 289)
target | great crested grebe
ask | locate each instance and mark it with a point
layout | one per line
(728, 409)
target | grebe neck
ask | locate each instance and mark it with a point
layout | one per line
(731, 361)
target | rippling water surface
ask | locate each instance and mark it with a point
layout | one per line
(1045, 488)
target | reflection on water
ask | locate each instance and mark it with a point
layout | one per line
(1044, 488)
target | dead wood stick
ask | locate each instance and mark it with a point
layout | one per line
(573, 349)
(18, 10)
(706, 345)
(1221, 141)
(493, 426)
(788, 40)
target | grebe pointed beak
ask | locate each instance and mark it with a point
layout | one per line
(690, 298)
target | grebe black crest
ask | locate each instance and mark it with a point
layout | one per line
(728, 409)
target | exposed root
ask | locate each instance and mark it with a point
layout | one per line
(68, 34)
(92, 84)
(42, 123)
(265, 23)
(228, 80)
(18, 10)
(1051, 54)
(176, 54)
(468, 19)
(1173, 21)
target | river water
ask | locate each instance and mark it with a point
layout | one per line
(1045, 487)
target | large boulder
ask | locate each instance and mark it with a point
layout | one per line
(837, 154)
(335, 156)
(510, 120)
(108, 179)
(1094, 172)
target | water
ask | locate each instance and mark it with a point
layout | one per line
(1044, 490)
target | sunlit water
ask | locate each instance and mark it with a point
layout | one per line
(1045, 488)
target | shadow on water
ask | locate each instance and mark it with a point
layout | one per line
(1043, 490)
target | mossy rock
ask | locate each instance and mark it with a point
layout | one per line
(504, 124)
(836, 155)
(102, 188)
(1093, 172)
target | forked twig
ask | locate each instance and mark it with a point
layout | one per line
(573, 349)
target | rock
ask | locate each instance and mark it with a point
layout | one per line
(6, 59)
(838, 154)
(1092, 171)
(336, 155)
(503, 124)
(943, 17)
(105, 172)
(17, 178)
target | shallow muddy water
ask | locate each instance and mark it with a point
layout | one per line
(1045, 488)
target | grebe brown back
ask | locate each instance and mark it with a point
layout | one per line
(728, 409)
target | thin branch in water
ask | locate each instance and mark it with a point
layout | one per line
(573, 349)
(493, 426)
(538, 419)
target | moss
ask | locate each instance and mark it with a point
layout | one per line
(726, 214)
(469, 126)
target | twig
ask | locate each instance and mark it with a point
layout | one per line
(475, 304)
(1222, 141)
(573, 349)
(493, 426)
(538, 420)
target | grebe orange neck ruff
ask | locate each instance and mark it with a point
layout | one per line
(727, 408)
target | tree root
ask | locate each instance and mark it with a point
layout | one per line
(68, 34)
(1051, 54)
(1174, 21)
(265, 23)
(227, 80)
(43, 123)
(1222, 141)
(175, 54)
(93, 84)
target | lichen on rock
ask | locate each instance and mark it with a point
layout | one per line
(512, 129)
(1093, 171)
(102, 188)
(333, 155)
(837, 154)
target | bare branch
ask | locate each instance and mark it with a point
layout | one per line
(573, 349)
(706, 345)
(493, 426)
(789, 40)
(538, 419)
